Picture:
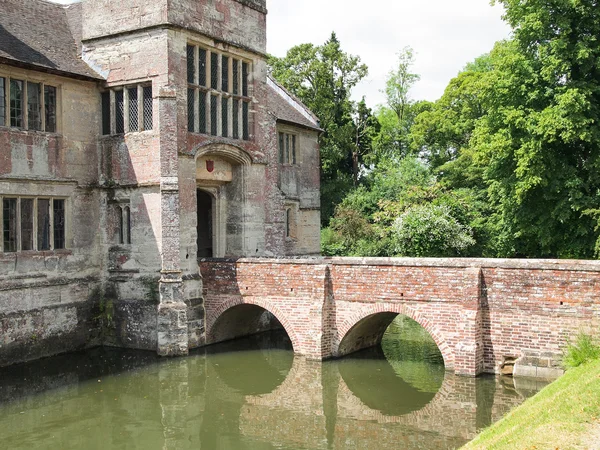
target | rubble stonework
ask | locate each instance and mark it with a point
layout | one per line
(142, 192)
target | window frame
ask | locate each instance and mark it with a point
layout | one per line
(52, 238)
(226, 107)
(116, 119)
(291, 216)
(26, 123)
(124, 229)
(288, 155)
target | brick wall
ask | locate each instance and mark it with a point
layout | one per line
(478, 311)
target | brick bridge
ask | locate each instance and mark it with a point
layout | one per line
(480, 312)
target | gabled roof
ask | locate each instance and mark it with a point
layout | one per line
(287, 108)
(38, 33)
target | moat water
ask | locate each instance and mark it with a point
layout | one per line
(252, 394)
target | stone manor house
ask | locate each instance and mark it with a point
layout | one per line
(136, 137)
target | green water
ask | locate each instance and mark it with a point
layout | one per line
(251, 394)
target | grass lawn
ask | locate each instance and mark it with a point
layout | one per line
(563, 415)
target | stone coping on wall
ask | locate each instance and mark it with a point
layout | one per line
(483, 263)
(259, 5)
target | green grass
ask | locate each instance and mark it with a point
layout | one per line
(583, 350)
(563, 415)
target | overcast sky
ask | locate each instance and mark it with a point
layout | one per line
(445, 35)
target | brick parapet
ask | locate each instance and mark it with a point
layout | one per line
(483, 263)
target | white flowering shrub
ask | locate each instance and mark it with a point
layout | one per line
(430, 230)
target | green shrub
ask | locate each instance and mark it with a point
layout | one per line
(583, 350)
(430, 230)
(331, 243)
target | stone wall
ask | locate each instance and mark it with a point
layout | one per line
(240, 23)
(47, 297)
(145, 291)
(479, 312)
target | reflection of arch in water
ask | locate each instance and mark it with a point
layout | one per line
(456, 395)
(372, 379)
(366, 328)
(249, 370)
(240, 317)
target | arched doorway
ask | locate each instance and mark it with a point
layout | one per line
(205, 234)
(221, 200)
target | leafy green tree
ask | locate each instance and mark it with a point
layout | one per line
(397, 115)
(323, 77)
(539, 140)
(366, 128)
(399, 82)
(441, 132)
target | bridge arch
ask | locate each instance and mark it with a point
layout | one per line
(214, 328)
(366, 327)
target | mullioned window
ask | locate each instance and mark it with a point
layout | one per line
(127, 109)
(27, 105)
(32, 224)
(218, 94)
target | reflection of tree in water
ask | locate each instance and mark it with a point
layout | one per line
(372, 379)
(249, 394)
(401, 376)
(413, 354)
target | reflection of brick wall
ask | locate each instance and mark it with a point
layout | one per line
(297, 417)
(478, 311)
(452, 412)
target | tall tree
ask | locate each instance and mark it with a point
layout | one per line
(398, 114)
(441, 132)
(323, 77)
(400, 81)
(539, 140)
(366, 127)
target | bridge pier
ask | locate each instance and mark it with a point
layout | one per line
(172, 323)
(468, 352)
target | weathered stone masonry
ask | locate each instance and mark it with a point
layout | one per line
(145, 188)
(479, 312)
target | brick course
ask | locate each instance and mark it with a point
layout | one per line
(478, 311)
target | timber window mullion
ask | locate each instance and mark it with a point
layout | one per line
(43, 105)
(196, 111)
(140, 103)
(125, 100)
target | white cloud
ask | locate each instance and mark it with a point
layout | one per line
(445, 35)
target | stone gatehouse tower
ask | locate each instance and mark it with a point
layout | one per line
(136, 137)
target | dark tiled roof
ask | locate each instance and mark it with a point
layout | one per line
(287, 108)
(37, 32)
